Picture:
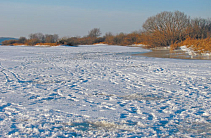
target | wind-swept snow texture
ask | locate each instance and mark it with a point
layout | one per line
(102, 91)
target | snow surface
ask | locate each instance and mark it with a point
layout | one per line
(191, 52)
(101, 91)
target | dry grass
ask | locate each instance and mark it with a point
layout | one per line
(198, 45)
(99, 43)
(47, 44)
(174, 46)
(18, 44)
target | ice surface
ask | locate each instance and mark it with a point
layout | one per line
(101, 91)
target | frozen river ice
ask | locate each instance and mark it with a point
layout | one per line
(102, 91)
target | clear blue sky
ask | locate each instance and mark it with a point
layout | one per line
(77, 17)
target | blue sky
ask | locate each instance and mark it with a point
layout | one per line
(77, 17)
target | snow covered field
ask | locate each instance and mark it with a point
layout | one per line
(93, 91)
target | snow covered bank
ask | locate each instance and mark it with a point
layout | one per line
(191, 52)
(141, 45)
(93, 91)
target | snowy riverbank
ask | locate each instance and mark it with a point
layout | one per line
(91, 91)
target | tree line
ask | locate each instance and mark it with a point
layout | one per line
(163, 29)
(37, 38)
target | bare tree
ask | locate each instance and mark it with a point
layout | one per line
(51, 38)
(55, 38)
(170, 25)
(22, 40)
(108, 34)
(38, 36)
(94, 32)
(48, 38)
(200, 28)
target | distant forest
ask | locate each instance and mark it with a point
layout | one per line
(5, 38)
(164, 29)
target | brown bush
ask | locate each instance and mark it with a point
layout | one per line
(9, 42)
(32, 42)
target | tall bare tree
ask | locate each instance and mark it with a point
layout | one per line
(94, 32)
(169, 25)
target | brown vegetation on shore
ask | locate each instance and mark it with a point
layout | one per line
(34, 39)
(46, 44)
(198, 45)
(164, 29)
